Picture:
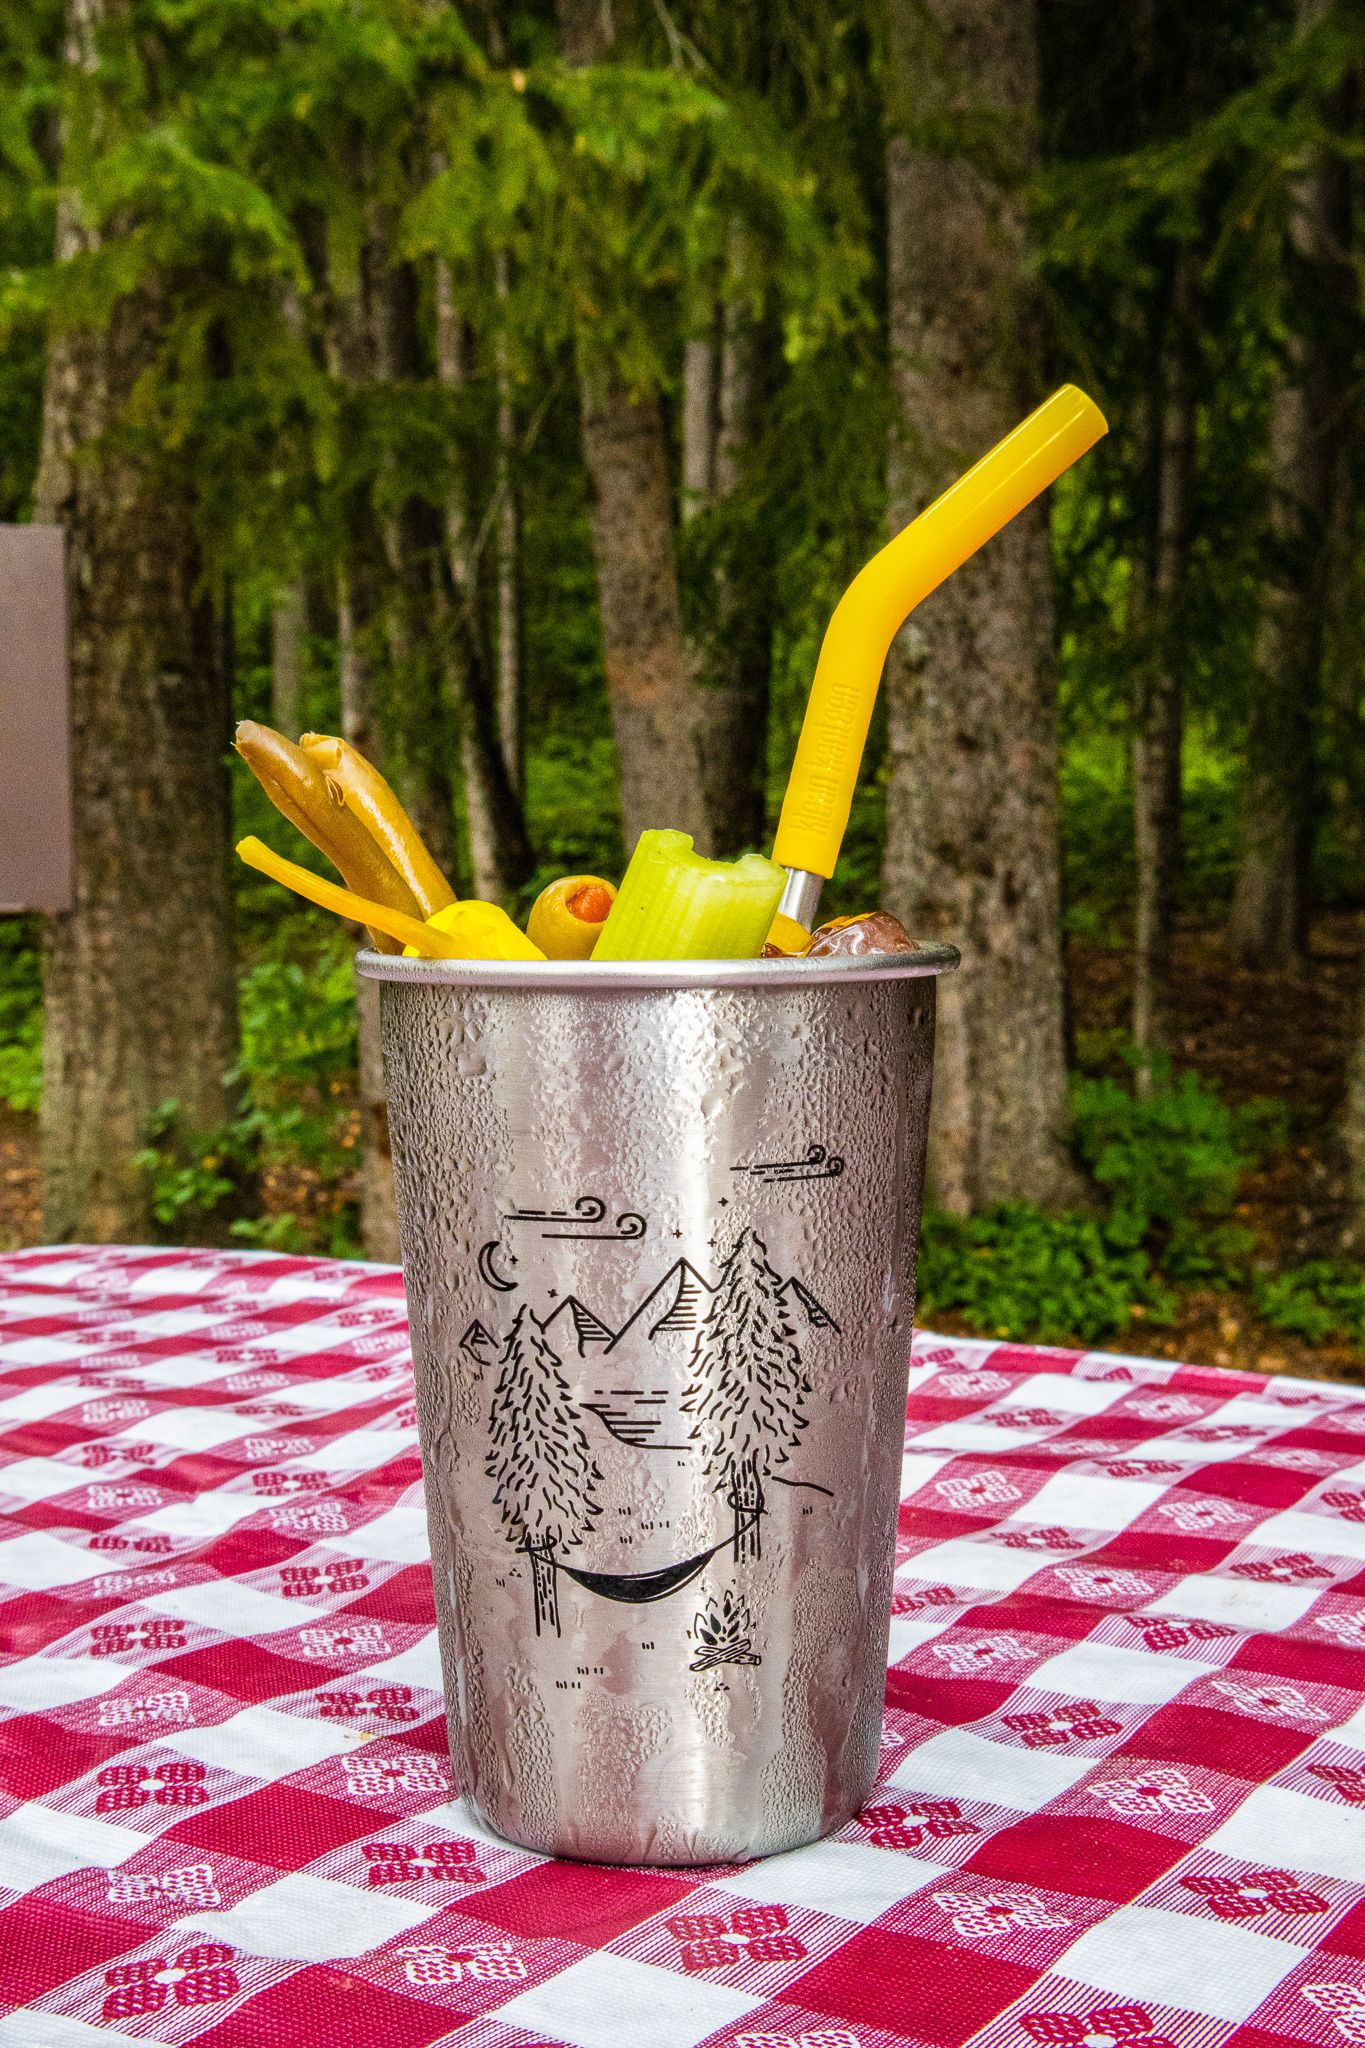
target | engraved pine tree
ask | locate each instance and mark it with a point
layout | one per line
(746, 1387)
(539, 1459)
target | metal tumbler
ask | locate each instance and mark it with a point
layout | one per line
(659, 1225)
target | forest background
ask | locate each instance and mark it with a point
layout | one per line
(515, 387)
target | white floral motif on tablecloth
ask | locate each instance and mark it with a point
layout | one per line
(190, 1885)
(1045, 1541)
(345, 1639)
(823, 2037)
(978, 1490)
(323, 1518)
(1161, 1789)
(964, 1385)
(1099, 1582)
(103, 1499)
(1344, 2003)
(984, 1654)
(1194, 1516)
(150, 1706)
(115, 1411)
(370, 1777)
(979, 1915)
(1343, 1628)
(139, 1580)
(1266, 1697)
(1293, 1458)
(482, 1962)
(263, 1447)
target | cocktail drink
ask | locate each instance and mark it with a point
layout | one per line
(659, 1161)
(658, 1229)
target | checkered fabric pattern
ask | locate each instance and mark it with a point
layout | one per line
(1122, 1798)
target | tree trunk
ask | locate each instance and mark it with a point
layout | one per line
(1310, 411)
(701, 368)
(1157, 706)
(1353, 1136)
(544, 1588)
(1344, 602)
(734, 660)
(508, 552)
(356, 682)
(649, 668)
(1344, 626)
(417, 743)
(139, 977)
(972, 850)
(746, 1502)
(288, 629)
(499, 844)
(378, 1201)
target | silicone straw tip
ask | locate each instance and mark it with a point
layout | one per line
(1086, 409)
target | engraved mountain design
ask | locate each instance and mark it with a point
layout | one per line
(577, 1324)
(677, 1303)
(479, 1344)
(701, 1368)
(634, 1403)
(798, 1296)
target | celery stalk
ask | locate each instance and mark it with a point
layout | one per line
(675, 905)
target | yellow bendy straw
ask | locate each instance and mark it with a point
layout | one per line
(876, 605)
(395, 924)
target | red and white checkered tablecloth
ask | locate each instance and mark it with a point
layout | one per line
(1122, 1801)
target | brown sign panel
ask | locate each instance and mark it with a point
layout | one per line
(35, 721)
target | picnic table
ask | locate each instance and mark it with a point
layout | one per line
(1122, 1791)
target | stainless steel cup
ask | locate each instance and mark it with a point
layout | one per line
(659, 1227)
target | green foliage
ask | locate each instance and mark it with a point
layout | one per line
(1013, 1272)
(1322, 1300)
(295, 1080)
(1170, 1162)
(190, 1176)
(21, 1014)
(298, 1058)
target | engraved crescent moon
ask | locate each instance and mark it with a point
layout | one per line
(489, 1272)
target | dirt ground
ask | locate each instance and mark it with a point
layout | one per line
(20, 1208)
(1252, 1034)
